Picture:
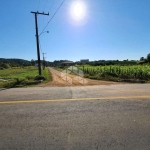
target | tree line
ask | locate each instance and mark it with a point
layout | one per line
(12, 62)
(8, 63)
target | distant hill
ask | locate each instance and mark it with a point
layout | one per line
(15, 62)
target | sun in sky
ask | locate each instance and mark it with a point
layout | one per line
(78, 10)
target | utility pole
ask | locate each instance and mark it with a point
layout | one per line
(37, 38)
(43, 61)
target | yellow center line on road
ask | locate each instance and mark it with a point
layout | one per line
(74, 99)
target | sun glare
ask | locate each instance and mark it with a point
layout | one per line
(78, 10)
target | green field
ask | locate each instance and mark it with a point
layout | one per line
(117, 73)
(18, 76)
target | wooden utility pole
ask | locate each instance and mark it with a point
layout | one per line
(37, 38)
(43, 61)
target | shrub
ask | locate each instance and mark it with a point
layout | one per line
(40, 77)
(6, 66)
(1, 68)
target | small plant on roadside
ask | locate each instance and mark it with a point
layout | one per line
(40, 77)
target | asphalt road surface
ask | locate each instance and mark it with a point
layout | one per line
(106, 117)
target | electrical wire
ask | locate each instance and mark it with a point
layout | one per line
(52, 17)
(49, 8)
(38, 4)
(45, 4)
(52, 4)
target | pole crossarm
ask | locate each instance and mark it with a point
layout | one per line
(40, 13)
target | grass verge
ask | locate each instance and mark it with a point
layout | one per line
(20, 77)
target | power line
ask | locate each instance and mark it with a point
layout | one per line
(45, 4)
(38, 4)
(52, 16)
(52, 4)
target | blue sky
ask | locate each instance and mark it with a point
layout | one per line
(110, 30)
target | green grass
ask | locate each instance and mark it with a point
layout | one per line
(28, 72)
(19, 77)
(60, 68)
(46, 73)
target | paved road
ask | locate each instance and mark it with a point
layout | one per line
(51, 93)
(114, 117)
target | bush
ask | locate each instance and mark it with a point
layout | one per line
(40, 77)
(105, 74)
(148, 57)
(1, 68)
(6, 66)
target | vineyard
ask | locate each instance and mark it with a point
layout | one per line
(117, 73)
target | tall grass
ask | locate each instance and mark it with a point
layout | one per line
(136, 72)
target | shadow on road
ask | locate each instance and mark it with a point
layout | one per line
(2, 89)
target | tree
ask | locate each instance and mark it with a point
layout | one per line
(4, 65)
(142, 58)
(148, 57)
(32, 62)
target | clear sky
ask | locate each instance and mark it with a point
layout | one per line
(100, 30)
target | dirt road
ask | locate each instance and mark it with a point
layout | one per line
(63, 79)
